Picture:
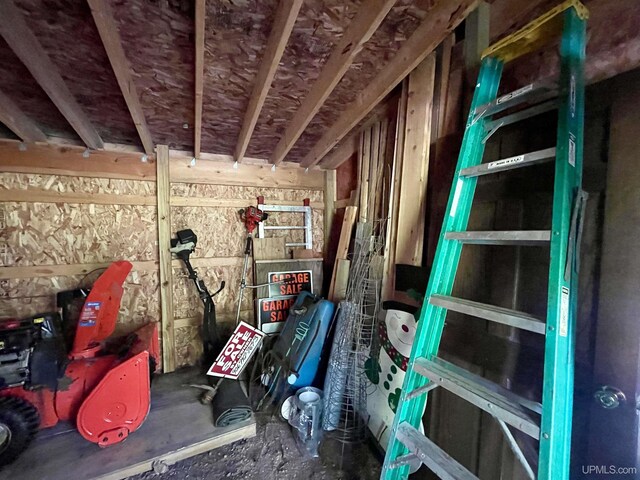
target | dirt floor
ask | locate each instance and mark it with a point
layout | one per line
(274, 455)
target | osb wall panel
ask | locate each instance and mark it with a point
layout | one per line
(248, 193)
(16, 81)
(236, 34)
(29, 296)
(188, 341)
(397, 26)
(187, 304)
(59, 183)
(221, 233)
(68, 34)
(158, 39)
(319, 25)
(64, 233)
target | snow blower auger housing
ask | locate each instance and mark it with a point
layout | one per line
(101, 384)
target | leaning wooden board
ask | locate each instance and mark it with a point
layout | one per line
(177, 427)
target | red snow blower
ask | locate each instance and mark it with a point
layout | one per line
(101, 384)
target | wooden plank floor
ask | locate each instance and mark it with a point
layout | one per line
(177, 427)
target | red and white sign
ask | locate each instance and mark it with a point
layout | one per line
(237, 352)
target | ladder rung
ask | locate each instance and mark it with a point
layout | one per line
(532, 92)
(404, 460)
(505, 316)
(421, 390)
(510, 163)
(496, 237)
(490, 397)
(521, 115)
(436, 459)
(284, 227)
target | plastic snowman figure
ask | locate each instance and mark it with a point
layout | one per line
(386, 373)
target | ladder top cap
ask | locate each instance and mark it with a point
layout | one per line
(535, 33)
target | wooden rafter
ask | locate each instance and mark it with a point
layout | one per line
(108, 30)
(347, 149)
(18, 122)
(282, 26)
(440, 21)
(365, 23)
(25, 45)
(200, 19)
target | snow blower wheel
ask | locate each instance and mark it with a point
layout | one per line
(19, 422)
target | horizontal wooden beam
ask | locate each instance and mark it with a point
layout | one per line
(69, 160)
(440, 21)
(285, 18)
(224, 173)
(16, 121)
(359, 31)
(232, 202)
(40, 271)
(108, 30)
(25, 45)
(52, 196)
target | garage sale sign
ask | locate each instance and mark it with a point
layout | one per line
(291, 283)
(236, 354)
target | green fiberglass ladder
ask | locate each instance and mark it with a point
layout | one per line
(550, 421)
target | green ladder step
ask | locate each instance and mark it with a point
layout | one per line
(548, 421)
(509, 237)
(505, 164)
(506, 316)
(431, 455)
(490, 397)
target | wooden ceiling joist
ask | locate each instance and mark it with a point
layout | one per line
(200, 19)
(25, 45)
(16, 121)
(347, 149)
(366, 22)
(108, 30)
(440, 21)
(285, 18)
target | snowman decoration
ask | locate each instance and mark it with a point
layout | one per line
(385, 369)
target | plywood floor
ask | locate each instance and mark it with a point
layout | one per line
(177, 427)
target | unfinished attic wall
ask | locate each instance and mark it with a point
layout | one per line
(57, 227)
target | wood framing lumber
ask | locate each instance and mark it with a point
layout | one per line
(163, 190)
(25, 45)
(199, 80)
(342, 267)
(40, 271)
(388, 272)
(69, 160)
(359, 31)
(224, 173)
(440, 21)
(363, 184)
(330, 193)
(110, 36)
(348, 222)
(20, 124)
(285, 18)
(346, 149)
(415, 164)
(53, 196)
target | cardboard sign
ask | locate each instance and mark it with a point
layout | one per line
(293, 282)
(273, 312)
(236, 354)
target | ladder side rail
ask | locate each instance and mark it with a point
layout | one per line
(431, 323)
(557, 401)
